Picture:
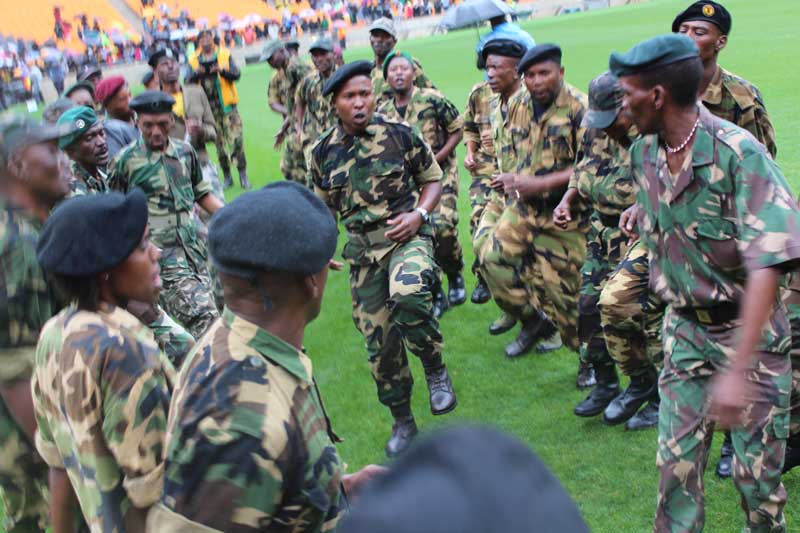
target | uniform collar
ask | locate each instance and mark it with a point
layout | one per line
(713, 93)
(269, 346)
(340, 135)
(170, 151)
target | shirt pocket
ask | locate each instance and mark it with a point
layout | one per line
(717, 239)
(559, 140)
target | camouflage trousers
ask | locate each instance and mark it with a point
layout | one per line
(187, 294)
(393, 310)
(631, 315)
(791, 299)
(293, 161)
(693, 355)
(447, 249)
(605, 246)
(479, 194)
(530, 265)
(230, 135)
(23, 479)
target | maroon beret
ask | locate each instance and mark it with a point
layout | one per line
(107, 88)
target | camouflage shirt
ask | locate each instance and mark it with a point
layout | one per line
(477, 121)
(432, 114)
(381, 88)
(603, 176)
(319, 115)
(284, 83)
(249, 445)
(101, 391)
(736, 100)
(502, 132)
(727, 212)
(26, 301)
(83, 183)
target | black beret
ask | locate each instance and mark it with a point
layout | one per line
(283, 226)
(503, 47)
(88, 235)
(157, 55)
(469, 480)
(152, 102)
(653, 53)
(344, 73)
(148, 77)
(88, 71)
(79, 85)
(707, 11)
(539, 54)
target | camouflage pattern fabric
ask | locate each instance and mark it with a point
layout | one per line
(249, 445)
(83, 183)
(173, 340)
(436, 118)
(230, 139)
(791, 299)
(381, 88)
(26, 303)
(281, 90)
(727, 212)
(737, 100)
(529, 264)
(173, 182)
(319, 115)
(101, 392)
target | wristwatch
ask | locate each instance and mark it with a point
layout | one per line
(426, 217)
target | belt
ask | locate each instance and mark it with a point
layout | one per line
(712, 316)
(610, 221)
(172, 220)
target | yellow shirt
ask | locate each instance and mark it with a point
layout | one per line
(177, 108)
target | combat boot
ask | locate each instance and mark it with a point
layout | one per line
(585, 378)
(457, 292)
(725, 465)
(606, 389)
(440, 304)
(243, 181)
(642, 388)
(792, 456)
(646, 418)
(440, 388)
(504, 322)
(532, 332)
(481, 294)
(228, 179)
(404, 429)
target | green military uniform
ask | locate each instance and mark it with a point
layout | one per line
(437, 118)
(383, 91)
(530, 265)
(101, 392)
(319, 115)
(726, 213)
(83, 183)
(477, 129)
(173, 183)
(26, 303)
(282, 88)
(368, 179)
(258, 454)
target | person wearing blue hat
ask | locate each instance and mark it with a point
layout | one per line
(721, 230)
(259, 454)
(503, 29)
(101, 386)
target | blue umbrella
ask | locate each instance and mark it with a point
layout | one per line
(474, 12)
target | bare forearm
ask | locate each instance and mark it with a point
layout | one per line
(569, 196)
(756, 306)
(430, 195)
(19, 400)
(279, 108)
(62, 501)
(552, 181)
(210, 203)
(449, 146)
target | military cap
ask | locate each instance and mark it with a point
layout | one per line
(82, 118)
(469, 480)
(391, 55)
(88, 71)
(344, 73)
(79, 85)
(605, 101)
(157, 55)
(152, 102)
(653, 53)
(270, 49)
(17, 132)
(296, 232)
(148, 77)
(501, 47)
(384, 24)
(292, 43)
(707, 11)
(107, 88)
(539, 54)
(55, 109)
(88, 235)
(323, 43)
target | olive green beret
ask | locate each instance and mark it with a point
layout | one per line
(653, 53)
(82, 118)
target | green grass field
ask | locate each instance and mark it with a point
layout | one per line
(611, 474)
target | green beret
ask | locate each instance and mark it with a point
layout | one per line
(152, 102)
(705, 11)
(605, 101)
(82, 118)
(80, 85)
(392, 55)
(270, 49)
(344, 73)
(653, 53)
(292, 43)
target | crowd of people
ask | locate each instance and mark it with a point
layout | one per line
(154, 375)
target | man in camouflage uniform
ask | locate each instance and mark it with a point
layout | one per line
(531, 266)
(382, 179)
(27, 302)
(87, 150)
(438, 120)
(168, 171)
(261, 454)
(382, 39)
(721, 229)
(215, 69)
(287, 75)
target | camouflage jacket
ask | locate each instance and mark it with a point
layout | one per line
(83, 183)
(192, 102)
(371, 177)
(101, 391)
(173, 182)
(284, 83)
(728, 212)
(502, 132)
(26, 301)
(477, 121)
(381, 88)
(432, 114)
(249, 445)
(319, 115)
(737, 100)
(603, 176)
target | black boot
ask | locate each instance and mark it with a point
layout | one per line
(457, 292)
(586, 377)
(440, 388)
(404, 429)
(481, 294)
(504, 322)
(440, 304)
(243, 181)
(725, 464)
(606, 389)
(532, 331)
(641, 389)
(646, 418)
(792, 457)
(228, 182)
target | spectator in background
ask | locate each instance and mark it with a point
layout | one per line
(114, 96)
